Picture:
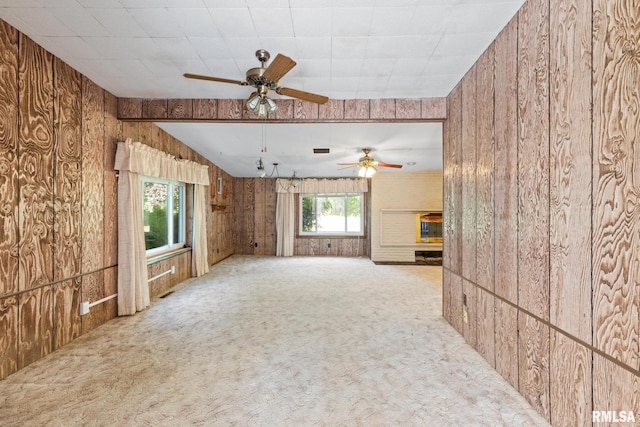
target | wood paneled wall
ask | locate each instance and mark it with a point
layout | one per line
(58, 202)
(254, 228)
(543, 129)
(56, 227)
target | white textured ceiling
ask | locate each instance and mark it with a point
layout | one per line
(344, 49)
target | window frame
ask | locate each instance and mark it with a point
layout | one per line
(346, 235)
(171, 246)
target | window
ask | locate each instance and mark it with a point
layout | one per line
(331, 214)
(163, 205)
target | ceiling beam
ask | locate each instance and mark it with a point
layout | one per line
(289, 110)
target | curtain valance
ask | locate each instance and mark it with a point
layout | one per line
(141, 159)
(312, 185)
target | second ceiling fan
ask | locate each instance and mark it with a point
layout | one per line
(368, 166)
(264, 79)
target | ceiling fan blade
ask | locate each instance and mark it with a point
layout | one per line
(214, 79)
(305, 96)
(348, 164)
(278, 68)
(388, 165)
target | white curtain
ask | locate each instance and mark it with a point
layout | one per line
(133, 160)
(133, 291)
(199, 256)
(286, 209)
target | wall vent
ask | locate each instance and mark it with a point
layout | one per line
(320, 151)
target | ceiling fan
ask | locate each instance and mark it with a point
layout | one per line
(367, 164)
(264, 79)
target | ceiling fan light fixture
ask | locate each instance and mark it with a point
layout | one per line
(272, 107)
(367, 171)
(253, 102)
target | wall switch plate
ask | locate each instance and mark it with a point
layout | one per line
(173, 269)
(84, 308)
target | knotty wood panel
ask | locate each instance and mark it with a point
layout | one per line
(570, 382)
(533, 358)
(112, 134)
(249, 212)
(35, 172)
(230, 108)
(66, 312)
(616, 217)
(446, 295)
(314, 247)
(452, 201)
(162, 284)
(92, 176)
(301, 247)
(205, 109)
(303, 110)
(456, 303)
(468, 149)
(93, 290)
(356, 109)
(506, 339)
(9, 336)
(270, 217)
(382, 109)
(154, 108)
(111, 288)
(570, 167)
(614, 388)
(285, 110)
(485, 329)
(131, 130)
(533, 158)
(238, 214)
(179, 108)
(9, 189)
(331, 110)
(485, 169)
(407, 108)
(470, 313)
(447, 177)
(35, 338)
(506, 164)
(67, 147)
(260, 214)
(434, 108)
(129, 108)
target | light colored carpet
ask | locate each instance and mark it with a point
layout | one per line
(265, 341)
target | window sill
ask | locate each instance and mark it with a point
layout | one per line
(330, 236)
(166, 255)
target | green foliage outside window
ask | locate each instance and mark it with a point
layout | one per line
(308, 217)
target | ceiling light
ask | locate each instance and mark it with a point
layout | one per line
(253, 101)
(294, 180)
(261, 171)
(366, 171)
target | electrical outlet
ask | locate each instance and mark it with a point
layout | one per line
(465, 315)
(173, 269)
(329, 245)
(84, 308)
(256, 244)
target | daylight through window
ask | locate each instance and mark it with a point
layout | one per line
(163, 204)
(331, 214)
